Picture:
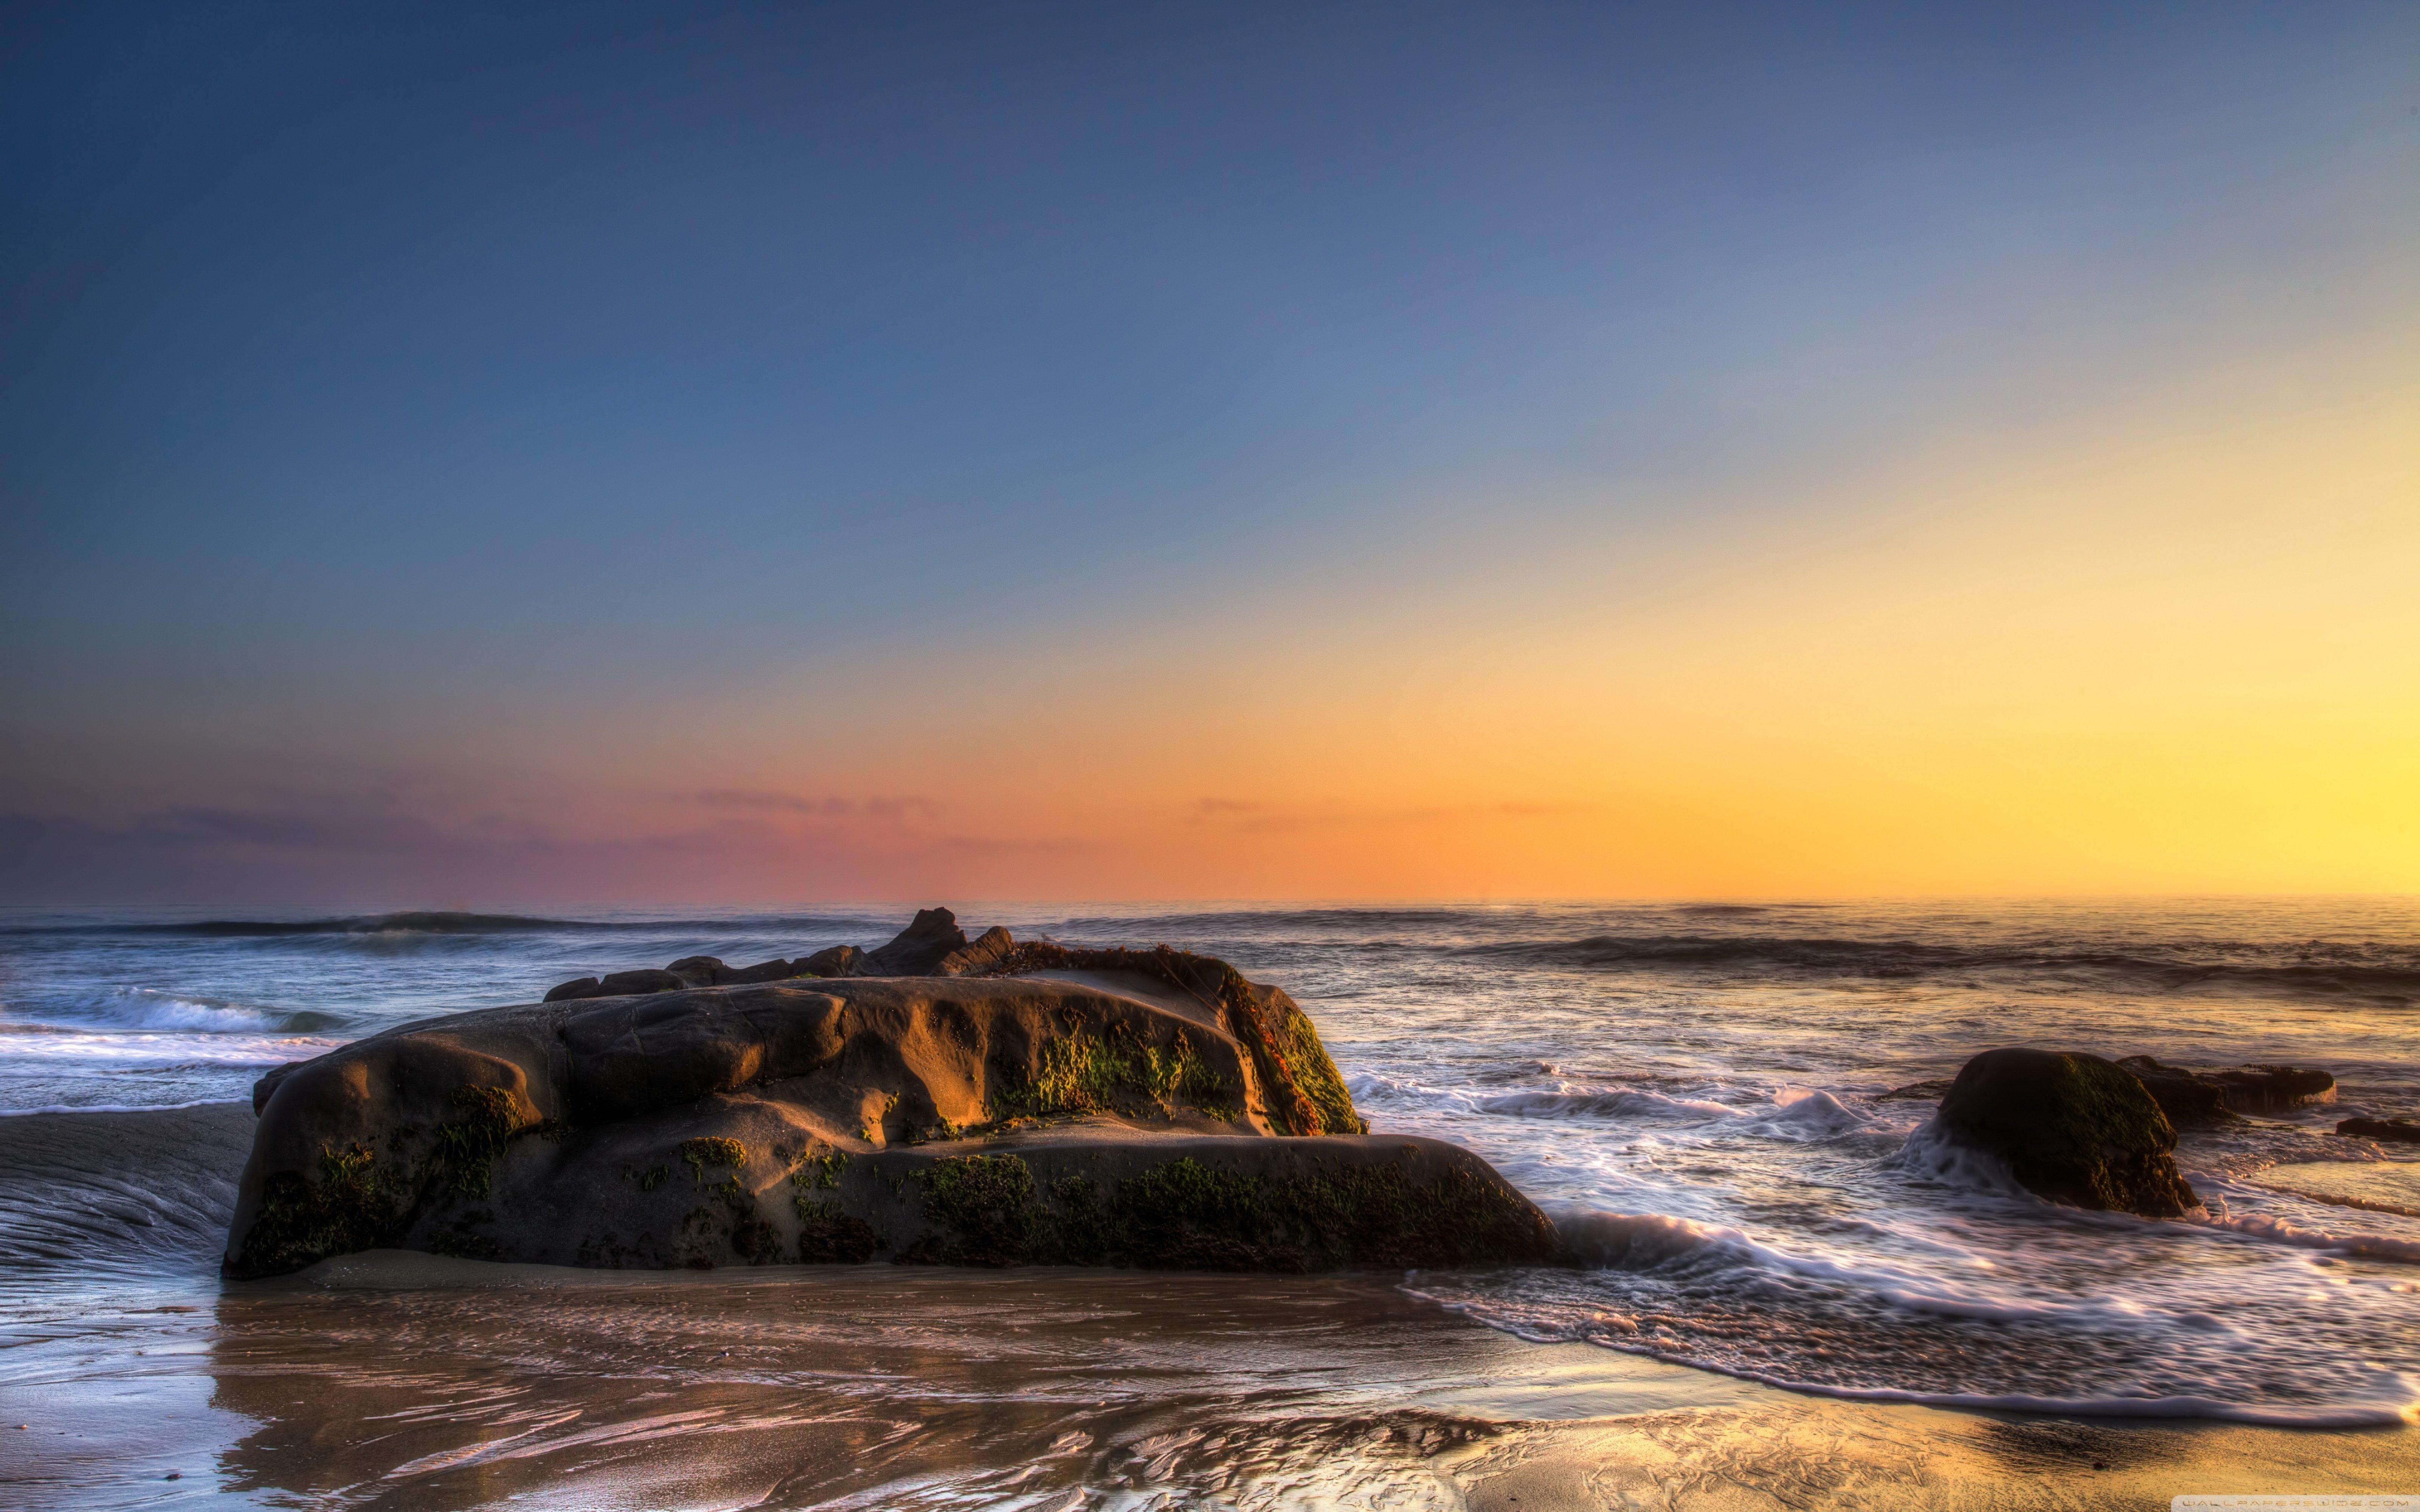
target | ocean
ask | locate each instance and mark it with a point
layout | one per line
(1699, 1095)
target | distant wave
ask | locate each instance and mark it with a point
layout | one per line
(418, 922)
(2385, 976)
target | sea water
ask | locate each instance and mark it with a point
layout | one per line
(1699, 1095)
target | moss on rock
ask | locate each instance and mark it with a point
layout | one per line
(701, 1153)
(352, 1207)
(828, 1236)
(1184, 1215)
(1298, 1079)
(357, 1203)
(1114, 1073)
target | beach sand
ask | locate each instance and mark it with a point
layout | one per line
(405, 1381)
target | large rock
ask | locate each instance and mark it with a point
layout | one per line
(2073, 1127)
(1082, 1107)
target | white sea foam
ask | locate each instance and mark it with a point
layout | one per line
(1931, 1154)
(1624, 1103)
(120, 1107)
(38, 1049)
(2285, 1231)
(144, 1008)
(1806, 1113)
(1633, 1241)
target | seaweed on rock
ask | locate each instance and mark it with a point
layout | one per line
(358, 1204)
(1184, 1215)
(1299, 1080)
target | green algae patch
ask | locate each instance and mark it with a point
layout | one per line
(1299, 1080)
(467, 1147)
(828, 1236)
(822, 1172)
(1315, 1076)
(701, 1153)
(359, 1203)
(1113, 1072)
(1187, 1215)
(352, 1207)
(985, 1207)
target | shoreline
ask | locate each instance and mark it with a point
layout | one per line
(456, 1382)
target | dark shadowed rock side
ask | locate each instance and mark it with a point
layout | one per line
(2073, 1127)
(936, 1101)
(2215, 1096)
(2399, 1130)
(2193, 1096)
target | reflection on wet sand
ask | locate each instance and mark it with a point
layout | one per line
(392, 1381)
(386, 1380)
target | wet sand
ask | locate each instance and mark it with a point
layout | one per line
(407, 1382)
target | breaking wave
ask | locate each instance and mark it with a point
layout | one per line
(143, 1009)
(2384, 974)
(1622, 1103)
(2284, 1231)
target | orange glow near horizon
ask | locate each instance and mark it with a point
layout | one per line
(2186, 662)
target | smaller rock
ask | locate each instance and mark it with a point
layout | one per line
(831, 960)
(762, 971)
(2184, 1097)
(699, 971)
(578, 988)
(628, 983)
(914, 952)
(2073, 1127)
(2403, 1131)
(2206, 1096)
(2274, 1088)
(973, 960)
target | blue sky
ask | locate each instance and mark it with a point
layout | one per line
(373, 375)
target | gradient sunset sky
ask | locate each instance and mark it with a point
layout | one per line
(504, 456)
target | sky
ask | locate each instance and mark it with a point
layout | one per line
(505, 455)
